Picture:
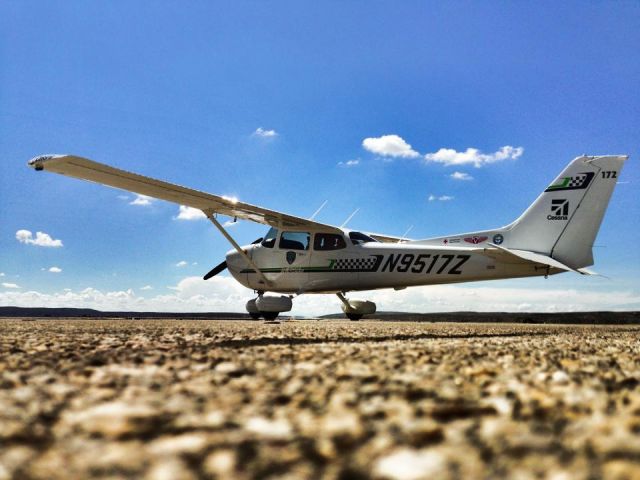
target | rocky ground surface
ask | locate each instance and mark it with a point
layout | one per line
(179, 400)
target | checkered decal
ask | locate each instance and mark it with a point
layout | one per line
(358, 264)
(577, 181)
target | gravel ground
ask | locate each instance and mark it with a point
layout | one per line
(176, 400)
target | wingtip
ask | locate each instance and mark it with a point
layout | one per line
(38, 162)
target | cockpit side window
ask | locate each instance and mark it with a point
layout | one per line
(328, 241)
(358, 238)
(270, 238)
(294, 241)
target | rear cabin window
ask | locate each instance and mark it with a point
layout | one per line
(328, 241)
(270, 238)
(294, 241)
(358, 238)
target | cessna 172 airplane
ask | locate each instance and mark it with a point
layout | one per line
(554, 235)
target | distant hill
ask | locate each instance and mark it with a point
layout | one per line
(87, 312)
(605, 318)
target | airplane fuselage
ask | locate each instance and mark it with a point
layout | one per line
(369, 266)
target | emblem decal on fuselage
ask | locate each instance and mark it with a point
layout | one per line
(291, 257)
(475, 239)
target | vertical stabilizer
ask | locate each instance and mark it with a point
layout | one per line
(564, 220)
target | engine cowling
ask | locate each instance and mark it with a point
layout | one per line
(359, 307)
(273, 304)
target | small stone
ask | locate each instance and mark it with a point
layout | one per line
(170, 469)
(190, 443)
(270, 429)
(424, 432)
(227, 367)
(343, 425)
(113, 420)
(220, 463)
(621, 470)
(407, 464)
(560, 377)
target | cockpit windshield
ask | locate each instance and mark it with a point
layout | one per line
(358, 238)
(270, 238)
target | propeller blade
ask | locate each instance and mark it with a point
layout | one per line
(218, 268)
(215, 270)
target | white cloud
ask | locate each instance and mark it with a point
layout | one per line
(191, 294)
(41, 240)
(147, 287)
(55, 270)
(123, 197)
(461, 176)
(190, 213)
(389, 146)
(141, 200)
(261, 132)
(1, 274)
(473, 156)
(349, 163)
(223, 293)
(181, 263)
(9, 285)
(441, 198)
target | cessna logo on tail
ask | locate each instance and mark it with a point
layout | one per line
(581, 180)
(559, 209)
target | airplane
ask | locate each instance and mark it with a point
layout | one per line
(302, 256)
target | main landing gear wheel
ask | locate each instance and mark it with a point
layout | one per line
(356, 309)
(270, 316)
(255, 316)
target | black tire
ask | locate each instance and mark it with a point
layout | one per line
(270, 315)
(255, 316)
(354, 317)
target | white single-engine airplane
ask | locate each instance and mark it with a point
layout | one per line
(555, 234)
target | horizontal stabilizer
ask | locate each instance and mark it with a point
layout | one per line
(539, 259)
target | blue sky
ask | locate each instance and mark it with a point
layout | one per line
(179, 94)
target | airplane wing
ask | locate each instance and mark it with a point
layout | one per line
(388, 238)
(82, 168)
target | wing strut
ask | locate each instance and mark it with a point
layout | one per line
(211, 216)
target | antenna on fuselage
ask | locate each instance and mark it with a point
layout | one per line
(318, 210)
(404, 236)
(350, 217)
